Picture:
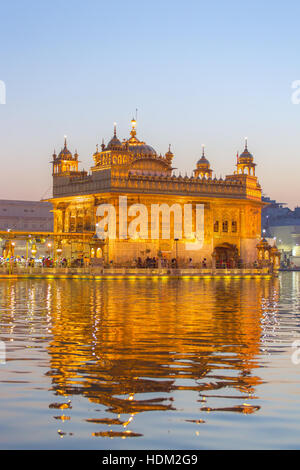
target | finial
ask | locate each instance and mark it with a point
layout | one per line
(133, 126)
(65, 137)
(170, 148)
(246, 143)
(115, 129)
(203, 150)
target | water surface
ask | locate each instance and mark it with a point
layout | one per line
(113, 364)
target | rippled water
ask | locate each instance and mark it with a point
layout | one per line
(150, 364)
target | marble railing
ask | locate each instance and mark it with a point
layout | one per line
(96, 270)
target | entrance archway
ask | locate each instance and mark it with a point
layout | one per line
(226, 256)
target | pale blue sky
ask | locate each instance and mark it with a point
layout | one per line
(198, 72)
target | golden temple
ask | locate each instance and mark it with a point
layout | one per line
(132, 168)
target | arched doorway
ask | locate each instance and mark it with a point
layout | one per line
(226, 256)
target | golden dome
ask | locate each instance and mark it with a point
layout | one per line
(65, 154)
(203, 162)
(135, 146)
(246, 156)
(114, 142)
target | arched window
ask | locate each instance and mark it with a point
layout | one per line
(216, 226)
(234, 226)
(225, 226)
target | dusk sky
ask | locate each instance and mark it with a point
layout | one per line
(199, 73)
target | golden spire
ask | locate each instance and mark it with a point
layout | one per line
(133, 126)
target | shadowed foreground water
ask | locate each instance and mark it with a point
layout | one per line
(150, 364)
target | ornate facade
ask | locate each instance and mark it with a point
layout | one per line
(232, 206)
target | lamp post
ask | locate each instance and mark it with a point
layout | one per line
(176, 245)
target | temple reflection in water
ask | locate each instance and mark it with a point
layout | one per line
(109, 356)
(130, 347)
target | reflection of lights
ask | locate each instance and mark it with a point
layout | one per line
(61, 433)
(128, 421)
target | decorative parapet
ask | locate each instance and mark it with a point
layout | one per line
(190, 185)
(119, 180)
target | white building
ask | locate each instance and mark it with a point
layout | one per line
(26, 216)
(35, 218)
(283, 225)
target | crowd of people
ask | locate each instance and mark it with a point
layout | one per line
(158, 262)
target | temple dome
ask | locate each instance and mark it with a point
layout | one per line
(140, 148)
(246, 156)
(136, 147)
(113, 143)
(65, 154)
(203, 161)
